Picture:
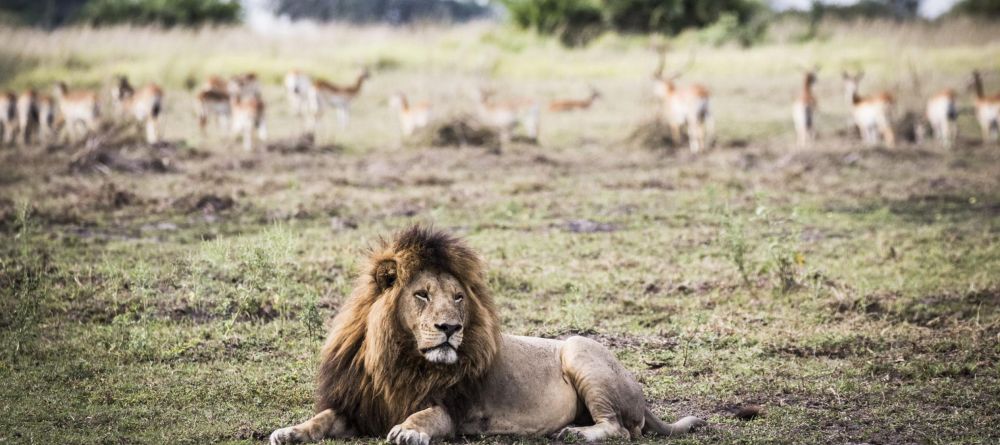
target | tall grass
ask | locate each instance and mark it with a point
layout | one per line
(88, 56)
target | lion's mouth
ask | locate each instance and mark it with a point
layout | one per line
(444, 345)
(444, 353)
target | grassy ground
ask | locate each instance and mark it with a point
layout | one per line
(852, 292)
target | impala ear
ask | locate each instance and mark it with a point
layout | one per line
(385, 275)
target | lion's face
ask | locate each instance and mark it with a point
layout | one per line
(433, 308)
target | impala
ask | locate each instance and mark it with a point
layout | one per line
(80, 110)
(245, 85)
(508, 115)
(872, 114)
(804, 109)
(35, 113)
(941, 113)
(8, 116)
(248, 119)
(987, 108)
(143, 105)
(337, 96)
(212, 102)
(412, 117)
(301, 94)
(686, 107)
(564, 105)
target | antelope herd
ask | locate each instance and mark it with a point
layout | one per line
(237, 107)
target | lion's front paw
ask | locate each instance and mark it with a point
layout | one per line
(401, 435)
(286, 435)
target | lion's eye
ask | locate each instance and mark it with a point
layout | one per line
(421, 295)
(459, 297)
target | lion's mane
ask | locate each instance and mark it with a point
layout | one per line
(370, 369)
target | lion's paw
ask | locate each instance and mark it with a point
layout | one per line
(285, 435)
(576, 434)
(690, 423)
(401, 435)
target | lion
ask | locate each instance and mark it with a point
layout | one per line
(417, 354)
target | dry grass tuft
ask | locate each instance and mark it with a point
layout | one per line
(652, 134)
(459, 130)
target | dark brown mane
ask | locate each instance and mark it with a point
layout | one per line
(370, 370)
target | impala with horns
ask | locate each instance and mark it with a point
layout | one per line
(339, 97)
(804, 109)
(143, 105)
(987, 108)
(684, 106)
(871, 114)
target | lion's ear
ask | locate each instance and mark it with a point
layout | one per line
(385, 274)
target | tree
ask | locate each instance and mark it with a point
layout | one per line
(573, 21)
(388, 11)
(988, 9)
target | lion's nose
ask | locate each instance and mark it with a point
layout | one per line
(448, 329)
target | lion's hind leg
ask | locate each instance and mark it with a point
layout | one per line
(326, 424)
(612, 396)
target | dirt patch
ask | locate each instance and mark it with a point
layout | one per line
(588, 226)
(208, 203)
(111, 196)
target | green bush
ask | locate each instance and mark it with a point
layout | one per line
(160, 12)
(982, 9)
(577, 21)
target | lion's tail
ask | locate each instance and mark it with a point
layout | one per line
(679, 427)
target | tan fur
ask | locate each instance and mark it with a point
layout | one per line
(212, 102)
(872, 114)
(941, 112)
(507, 115)
(8, 117)
(144, 105)
(248, 119)
(412, 116)
(424, 292)
(987, 109)
(564, 105)
(35, 115)
(324, 93)
(804, 110)
(684, 107)
(80, 110)
(27, 115)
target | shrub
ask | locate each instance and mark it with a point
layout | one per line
(160, 12)
(578, 21)
(987, 9)
(575, 22)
